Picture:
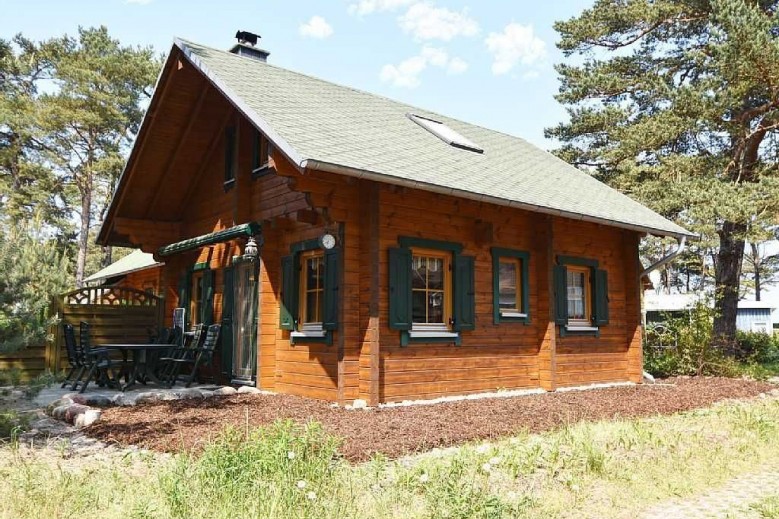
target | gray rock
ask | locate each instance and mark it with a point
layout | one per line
(119, 400)
(226, 390)
(190, 393)
(73, 411)
(359, 404)
(58, 413)
(249, 389)
(206, 393)
(57, 403)
(149, 397)
(87, 418)
(648, 378)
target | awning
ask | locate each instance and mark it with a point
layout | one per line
(247, 229)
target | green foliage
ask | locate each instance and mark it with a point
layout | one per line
(32, 271)
(12, 424)
(674, 102)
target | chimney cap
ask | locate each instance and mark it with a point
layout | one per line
(247, 37)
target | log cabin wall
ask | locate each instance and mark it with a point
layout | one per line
(147, 279)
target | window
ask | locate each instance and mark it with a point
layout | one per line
(231, 155)
(196, 294)
(581, 295)
(445, 133)
(261, 152)
(196, 298)
(312, 288)
(431, 291)
(309, 292)
(510, 285)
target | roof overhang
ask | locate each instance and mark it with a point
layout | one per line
(310, 164)
(238, 231)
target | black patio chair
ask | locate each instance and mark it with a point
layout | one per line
(97, 364)
(167, 371)
(197, 357)
(74, 358)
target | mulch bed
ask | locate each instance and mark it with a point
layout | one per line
(189, 424)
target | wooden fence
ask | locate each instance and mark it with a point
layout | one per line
(116, 314)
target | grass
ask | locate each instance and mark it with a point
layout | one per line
(767, 508)
(605, 469)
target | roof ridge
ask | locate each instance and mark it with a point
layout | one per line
(358, 90)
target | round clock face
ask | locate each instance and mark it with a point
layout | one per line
(328, 241)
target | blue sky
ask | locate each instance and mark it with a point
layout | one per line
(489, 63)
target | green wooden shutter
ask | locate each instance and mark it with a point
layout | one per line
(207, 301)
(288, 307)
(332, 274)
(184, 286)
(227, 321)
(464, 291)
(400, 289)
(601, 298)
(560, 274)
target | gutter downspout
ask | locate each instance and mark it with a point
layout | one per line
(665, 259)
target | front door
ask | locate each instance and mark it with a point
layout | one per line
(244, 322)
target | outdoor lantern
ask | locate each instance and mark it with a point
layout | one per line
(251, 249)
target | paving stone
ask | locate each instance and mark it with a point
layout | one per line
(730, 500)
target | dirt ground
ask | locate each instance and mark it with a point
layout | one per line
(189, 424)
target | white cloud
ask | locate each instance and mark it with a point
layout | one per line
(363, 7)
(406, 73)
(427, 22)
(457, 66)
(516, 44)
(316, 27)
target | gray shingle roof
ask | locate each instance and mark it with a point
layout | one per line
(314, 121)
(133, 262)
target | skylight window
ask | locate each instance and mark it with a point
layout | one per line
(445, 133)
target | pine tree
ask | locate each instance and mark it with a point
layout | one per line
(89, 121)
(676, 102)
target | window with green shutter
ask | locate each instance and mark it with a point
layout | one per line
(310, 292)
(431, 291)
(581, 297)
(510, 286)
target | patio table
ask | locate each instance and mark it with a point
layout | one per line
(143, 362)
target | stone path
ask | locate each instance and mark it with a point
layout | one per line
(732, 500)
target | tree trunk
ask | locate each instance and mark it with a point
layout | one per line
(727, 275)
(83, 238)
(107, 256)
(756, 266)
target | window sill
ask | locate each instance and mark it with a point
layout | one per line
(579, 330)
(263, 170)
(512, 317)
(429, 336)
(310, 334)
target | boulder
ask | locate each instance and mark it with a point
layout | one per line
(58, 413)
(87, 418)
(648, 378)
(73, 411)
(148, 397)
(359, 403)
(57, 403)
(187, 394)
(226, 390)
(249, 389)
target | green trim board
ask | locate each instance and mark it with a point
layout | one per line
(203, 265)
(238, 231)
(302, 246)
(524, 257)
(409, 242)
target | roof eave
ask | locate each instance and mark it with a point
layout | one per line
(313, 164)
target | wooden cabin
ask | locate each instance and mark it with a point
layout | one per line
(354, 247)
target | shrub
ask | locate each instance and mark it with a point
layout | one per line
(759, 348)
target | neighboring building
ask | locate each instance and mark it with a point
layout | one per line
(136, 270)
(752, 316)
(402, 254)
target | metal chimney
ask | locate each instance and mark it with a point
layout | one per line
(246, 46)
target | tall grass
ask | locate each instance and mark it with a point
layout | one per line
(606, 469)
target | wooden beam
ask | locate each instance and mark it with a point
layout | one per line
(193, 116)
(215, 141)
(309, 216)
